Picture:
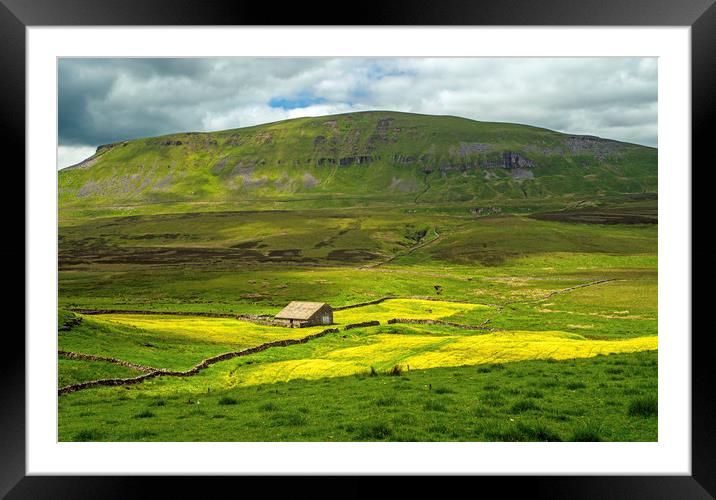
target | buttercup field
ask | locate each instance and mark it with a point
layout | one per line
(466, 280)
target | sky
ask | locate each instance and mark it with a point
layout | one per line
(108, 100)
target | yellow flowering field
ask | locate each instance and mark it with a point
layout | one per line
(404, 308)
(232, 331)
(412, 352)
(216, 330)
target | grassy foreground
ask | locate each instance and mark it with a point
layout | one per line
(604, 398)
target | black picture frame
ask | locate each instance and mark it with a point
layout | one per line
(16, 15)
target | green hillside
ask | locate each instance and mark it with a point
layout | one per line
(490, 282)
(374, 156)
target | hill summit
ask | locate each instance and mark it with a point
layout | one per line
(379, 155)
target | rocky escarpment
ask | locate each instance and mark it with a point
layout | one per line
(428, 162)
(346, 161)
(377, 153)
(511, 160)
(590, 145)
(92, 160)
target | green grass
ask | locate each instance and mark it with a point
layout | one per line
(390, 349)
(153, 349)
(312, 255)
(74, 371)
(402, 408)
(209, 240)
(299, 161)
(644, 407)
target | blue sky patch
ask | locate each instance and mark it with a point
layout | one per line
(300, 101)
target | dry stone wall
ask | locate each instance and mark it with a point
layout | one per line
(90, 357)
(437, 322)
(359, 325)
(197, 368)
(362, 304)
(258, 319)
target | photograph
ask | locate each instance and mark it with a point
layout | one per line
(357, 249)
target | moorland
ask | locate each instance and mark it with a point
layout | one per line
(512, 270)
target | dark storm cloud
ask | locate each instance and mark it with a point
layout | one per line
(106, 100)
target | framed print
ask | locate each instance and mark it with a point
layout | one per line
(455, 245)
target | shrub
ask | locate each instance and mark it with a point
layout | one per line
(644, 407)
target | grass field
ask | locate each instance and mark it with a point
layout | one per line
(73, 371)
(604, 398)
(567, 348)
(160, 341)
(521, 263)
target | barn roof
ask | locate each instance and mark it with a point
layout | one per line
(299, 310)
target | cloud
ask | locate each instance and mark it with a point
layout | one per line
(71, 155)
(106, 100)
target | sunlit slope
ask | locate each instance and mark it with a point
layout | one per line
(166, 341)
(236, 331)
(417, 352)
(179, 342)
(602, 398)
(410, 347)
(372, 155)
(170, 342)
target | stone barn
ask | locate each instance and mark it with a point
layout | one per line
(300, 314)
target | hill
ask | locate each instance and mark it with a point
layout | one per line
(377, 155)
(494, 256)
